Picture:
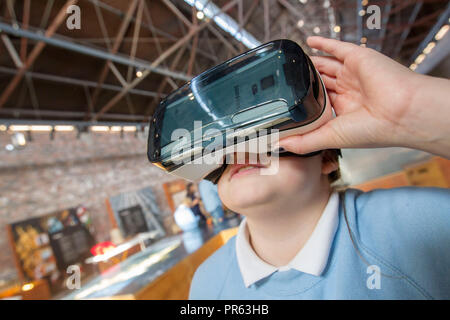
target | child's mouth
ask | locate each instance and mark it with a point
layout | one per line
(240, 170)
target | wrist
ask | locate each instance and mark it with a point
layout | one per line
(426, 127)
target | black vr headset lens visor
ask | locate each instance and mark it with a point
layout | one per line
(274, 86)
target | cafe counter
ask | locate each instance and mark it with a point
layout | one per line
(163, 270)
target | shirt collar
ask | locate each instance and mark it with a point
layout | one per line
(311, 259)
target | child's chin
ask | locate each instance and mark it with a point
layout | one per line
(247, 197)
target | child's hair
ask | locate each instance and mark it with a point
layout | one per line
(333, 155)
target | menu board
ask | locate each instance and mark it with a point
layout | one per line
(48, 244)
(133, 221)
(71, 246)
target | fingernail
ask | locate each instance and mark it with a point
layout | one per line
(278, 150)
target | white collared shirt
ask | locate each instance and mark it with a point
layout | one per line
(311, 259)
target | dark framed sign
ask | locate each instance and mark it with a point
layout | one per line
(133, 221)
(137, 212)
(71, 246)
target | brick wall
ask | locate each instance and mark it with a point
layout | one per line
(50, 175)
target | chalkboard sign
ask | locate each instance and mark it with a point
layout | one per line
(144, 202)
(71, 245)
(133, 221)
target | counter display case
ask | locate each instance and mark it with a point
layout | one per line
(163, 270)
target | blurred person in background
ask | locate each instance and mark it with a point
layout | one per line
(185, 218)
(194, 201)
(211, 200)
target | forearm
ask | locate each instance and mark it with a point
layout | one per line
(427, 127)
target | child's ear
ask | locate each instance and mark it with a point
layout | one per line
(329, 161)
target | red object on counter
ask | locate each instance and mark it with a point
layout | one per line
(102, 247)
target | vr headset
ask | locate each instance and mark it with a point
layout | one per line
(272, 88)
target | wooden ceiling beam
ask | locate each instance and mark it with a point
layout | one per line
(35, 53)
(192, 32)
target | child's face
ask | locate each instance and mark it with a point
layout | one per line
(295, 177)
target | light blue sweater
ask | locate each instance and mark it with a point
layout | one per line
(405, 232)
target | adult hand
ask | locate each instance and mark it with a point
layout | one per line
(378, 103)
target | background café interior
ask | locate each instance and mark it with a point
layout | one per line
(83, 213)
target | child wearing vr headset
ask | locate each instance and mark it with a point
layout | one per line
(301, 238)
